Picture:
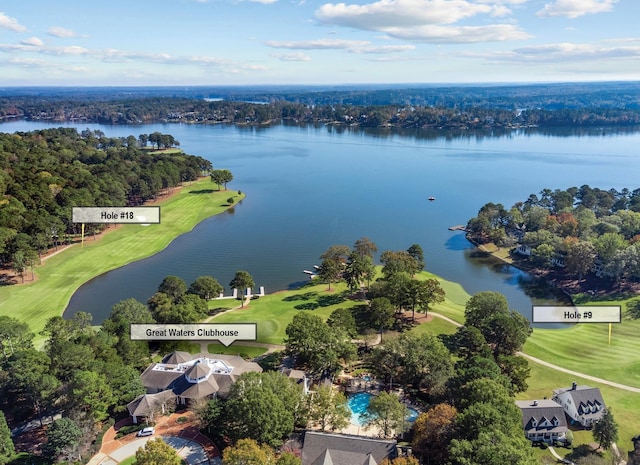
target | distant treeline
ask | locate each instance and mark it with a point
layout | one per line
(43, 174)
(545, 106)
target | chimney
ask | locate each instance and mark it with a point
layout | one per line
(535, 403)
(574, 386)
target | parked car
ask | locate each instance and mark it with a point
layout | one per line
(148, 431)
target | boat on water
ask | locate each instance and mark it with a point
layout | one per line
(432, 199)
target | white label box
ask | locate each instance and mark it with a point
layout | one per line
(116, 215)
(577, 314)
(225, 333)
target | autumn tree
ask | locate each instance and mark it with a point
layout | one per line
(432, 432)
(248, 452)
(157, 452)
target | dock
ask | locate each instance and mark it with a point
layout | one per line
(457, 227)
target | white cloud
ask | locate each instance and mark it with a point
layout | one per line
(459, 34)
(12, 24)
(399, 13)
(352, 46)
(33, 42)
(122, 56)
(320, 44)
(567, 52)
(292, 57)
(61, 32)
(575, 8)
(424, 20)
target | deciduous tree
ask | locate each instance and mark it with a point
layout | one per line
(248, 452)
(386, 412)
(432, 432)
(241, 281)
(328, 408)
(157, 452)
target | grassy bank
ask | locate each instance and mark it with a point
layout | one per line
(64, 273)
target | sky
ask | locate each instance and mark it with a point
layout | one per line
(266, 42)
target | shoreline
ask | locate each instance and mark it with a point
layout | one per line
(49, 294)
(9, 278)
(573, 288)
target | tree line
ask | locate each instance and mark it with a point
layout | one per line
(573, 231)
(437, 113)
(45, 173)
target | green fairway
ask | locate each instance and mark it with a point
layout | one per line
(585, 348)
(64, 273)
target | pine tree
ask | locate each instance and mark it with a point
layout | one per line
(605, 431)
(7, 450)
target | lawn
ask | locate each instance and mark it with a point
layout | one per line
(63, 274)
(236, 349)
(273, 312)
(584, 347)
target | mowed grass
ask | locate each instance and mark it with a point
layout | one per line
(273, 312)
(585, 348)
(63, 274)
(236, 349)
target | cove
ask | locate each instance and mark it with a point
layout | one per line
(310, 187)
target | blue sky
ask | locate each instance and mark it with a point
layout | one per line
(248, 42)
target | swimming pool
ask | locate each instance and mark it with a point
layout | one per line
(359, 402)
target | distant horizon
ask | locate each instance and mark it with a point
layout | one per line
(327, 85)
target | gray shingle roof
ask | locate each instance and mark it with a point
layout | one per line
(145, 404)
(180, 381)
(340, 449)
(534, 414)
(583, 397)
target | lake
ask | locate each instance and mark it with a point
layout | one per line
(311, 187)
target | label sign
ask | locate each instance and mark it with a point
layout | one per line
(117, 215)
(577, 314)
(225, 333)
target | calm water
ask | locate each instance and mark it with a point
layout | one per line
(308, 188)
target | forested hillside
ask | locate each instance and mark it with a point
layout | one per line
(584, 105)
(43, 174)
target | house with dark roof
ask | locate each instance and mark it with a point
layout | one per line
(543, 420)
(191, 377)
(320, 448)
(146, 406)
(582, 404)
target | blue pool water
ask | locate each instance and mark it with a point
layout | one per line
(359, 402)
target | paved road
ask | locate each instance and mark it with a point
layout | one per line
(192, 452)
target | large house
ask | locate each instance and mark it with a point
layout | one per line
(543, 420)
(582, 404)
(342, 449)
(192, 377)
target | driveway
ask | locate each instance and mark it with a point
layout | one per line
(192, 452)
